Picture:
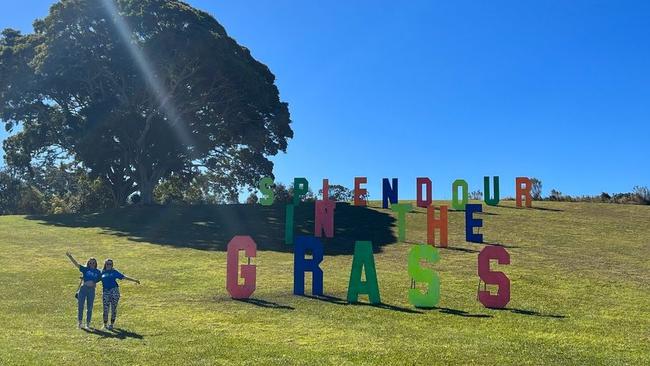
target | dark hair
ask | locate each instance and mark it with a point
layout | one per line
(106, 261)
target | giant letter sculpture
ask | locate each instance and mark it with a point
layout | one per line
(486, 187)
(288, 225)
(248, 271)
(302, 265)
(267, 191)
(501, 299)
(433, 224)
(363, 258)
(418, 189)
(360, 193)
(326, 189)
(419, 274)
(401, 209)
(459, 206)
(300, 189)
(389, 193)
(523, 190)
(324, 220)
(471, 223)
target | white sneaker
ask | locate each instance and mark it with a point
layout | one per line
(79, 325)
(87, 326)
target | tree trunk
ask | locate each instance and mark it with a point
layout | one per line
(120, 198)
(120, 189)
(117, 192)
(149, 177)
(146, 192)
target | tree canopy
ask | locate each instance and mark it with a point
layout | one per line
(138, 91)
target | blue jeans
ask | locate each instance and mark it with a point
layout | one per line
(86, 294)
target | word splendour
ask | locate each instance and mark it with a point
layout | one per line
(363, 259)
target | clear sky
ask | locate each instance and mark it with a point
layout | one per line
(558, 90)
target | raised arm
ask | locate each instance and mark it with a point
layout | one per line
(132, 279)
(74, 262)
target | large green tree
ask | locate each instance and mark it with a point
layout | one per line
(138, 91)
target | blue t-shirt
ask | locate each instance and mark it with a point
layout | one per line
(90, 274)
(109, 279)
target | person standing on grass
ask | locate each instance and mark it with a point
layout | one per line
(91, 275)
(111, 291)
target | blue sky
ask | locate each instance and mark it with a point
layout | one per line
(558, 90)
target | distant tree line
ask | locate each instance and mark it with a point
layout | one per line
(640, 195)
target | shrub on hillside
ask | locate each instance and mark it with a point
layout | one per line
(536, 189)
(338, 193)
(285, 196)
(476, 195)
(642, 194)
(555, 195)
(639, 196)
(31, 202)
(282, 194)
(252, 199)
(51, 189)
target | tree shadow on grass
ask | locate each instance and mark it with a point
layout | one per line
(211, 227)
(117, 333)
(531, 313)
(265, 304)
(339, 301)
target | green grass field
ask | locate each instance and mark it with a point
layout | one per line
(580, 292)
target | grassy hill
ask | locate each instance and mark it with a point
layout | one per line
(580, 276)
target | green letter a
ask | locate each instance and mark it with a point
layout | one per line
(363, 257)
